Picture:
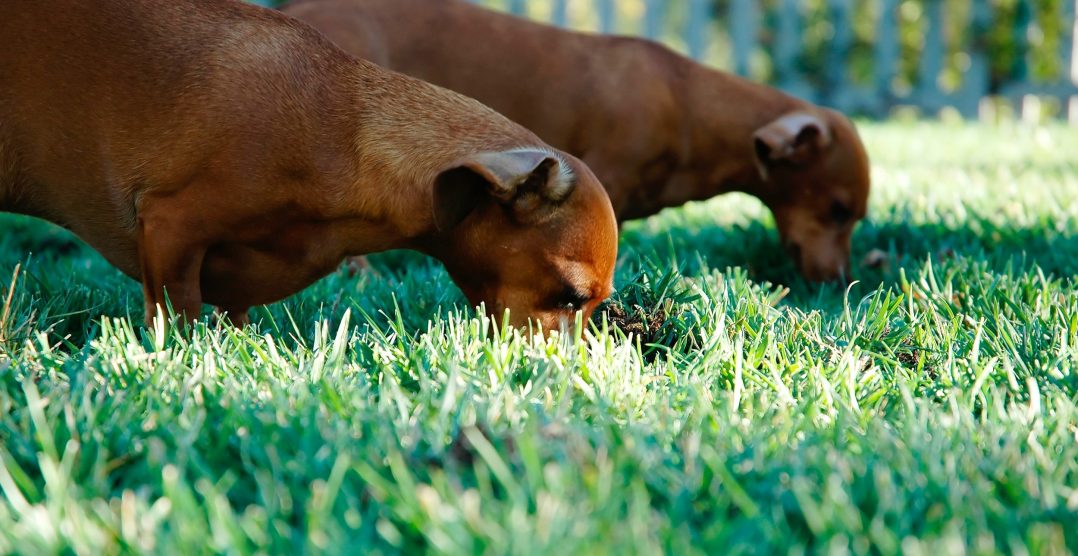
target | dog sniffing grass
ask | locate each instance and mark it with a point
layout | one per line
(927, 408)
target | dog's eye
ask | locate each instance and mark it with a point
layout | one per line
(571, 300)
(841, 213)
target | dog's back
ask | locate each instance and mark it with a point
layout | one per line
(528, 71)
(103, 101)
(92, 82)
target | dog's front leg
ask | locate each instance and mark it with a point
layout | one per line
(171, 261)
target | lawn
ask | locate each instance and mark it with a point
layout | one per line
(717, 405)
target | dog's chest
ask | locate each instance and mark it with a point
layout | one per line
(242, 274)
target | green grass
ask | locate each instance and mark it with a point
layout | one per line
(928, 409)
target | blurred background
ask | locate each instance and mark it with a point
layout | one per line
(987, 59)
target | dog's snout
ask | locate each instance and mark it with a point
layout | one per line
(832, 273)
(820, 263)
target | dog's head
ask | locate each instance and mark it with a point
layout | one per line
(817, 175)
(527, 230)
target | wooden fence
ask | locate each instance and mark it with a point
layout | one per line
(869, 57)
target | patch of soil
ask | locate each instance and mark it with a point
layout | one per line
(637, 320)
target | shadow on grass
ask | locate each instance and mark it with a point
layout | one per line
(70, 286)
(894, 246)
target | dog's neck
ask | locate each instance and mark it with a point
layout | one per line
(722, 114)
(406, 134)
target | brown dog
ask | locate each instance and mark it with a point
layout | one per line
(658, 129)
(226, 153)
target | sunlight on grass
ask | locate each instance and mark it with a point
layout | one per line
(716, 403)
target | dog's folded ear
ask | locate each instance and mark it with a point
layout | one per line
(525, 180)
(796, 138)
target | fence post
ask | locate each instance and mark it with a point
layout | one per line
(653, 19)
(607, 16)
(696, 33)
(975, 80)
(885, 56)
(836, 88)
(518, 7)
(559, 13)
(1023, 18)
(788, 46)
(1069, 57)
(1018, 89)
(931, 59)
(1068, 47)
(743, 34)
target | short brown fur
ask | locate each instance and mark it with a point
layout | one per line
(228, 154)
